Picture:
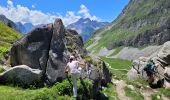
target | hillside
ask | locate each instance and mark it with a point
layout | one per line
(7, 37)
(141, 23)
(86, 27)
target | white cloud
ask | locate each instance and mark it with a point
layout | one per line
(23, 14)
(83, 10)
(33, 6)
(10, 3)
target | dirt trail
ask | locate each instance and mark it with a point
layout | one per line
(120, 85)
(147, 93)
(164, 97)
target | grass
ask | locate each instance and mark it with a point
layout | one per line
(60, 91)
(117, 50)
(1, 69)
(118, 67)
(135, 94)
(7, 37)
(110, 92)
(166, 92)
(89, 42)
(156, 96)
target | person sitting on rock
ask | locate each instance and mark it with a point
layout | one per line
(75, 71)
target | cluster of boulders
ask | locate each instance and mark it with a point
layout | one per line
(161, 61)
(41, 56)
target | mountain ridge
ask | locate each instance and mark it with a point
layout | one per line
(86, 27)
(141, 23)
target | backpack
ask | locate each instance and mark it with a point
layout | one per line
(149, 67)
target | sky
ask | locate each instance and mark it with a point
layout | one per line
(70, 11)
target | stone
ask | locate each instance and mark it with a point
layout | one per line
(46, 48)
(32, 49)
(57, 59)
(21, 75)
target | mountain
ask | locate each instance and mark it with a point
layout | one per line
(28, 27)
(7, 37)
(8, 22)
(86, 27)
(21, 27)
(141, 23)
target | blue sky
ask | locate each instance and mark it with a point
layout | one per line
(69, 10)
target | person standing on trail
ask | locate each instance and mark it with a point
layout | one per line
(75, 71)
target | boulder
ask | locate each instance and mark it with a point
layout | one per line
(136, 71)
(57, 54)
(164, 54)
(47, 48)
(32, 50)
(162, 62)
(21, 75)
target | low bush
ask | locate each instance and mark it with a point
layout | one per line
(1, 69)
(65, 88)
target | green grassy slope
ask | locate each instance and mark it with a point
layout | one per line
(7, 37)
(137, 17)
(59, 91)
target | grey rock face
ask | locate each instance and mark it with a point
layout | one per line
(161, 60)
(164, 53)
(56, 62)
(21, 75)
(46, 48)
(32, 49)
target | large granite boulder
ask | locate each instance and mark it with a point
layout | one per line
(47, 48)
(32, 50)
(21, 75)
(57, 56)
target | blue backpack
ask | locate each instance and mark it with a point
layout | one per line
(149, 67)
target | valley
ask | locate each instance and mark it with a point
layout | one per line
(126, 59)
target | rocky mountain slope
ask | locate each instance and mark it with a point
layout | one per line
(7, 37)
(86, 27)
(141, 23)
(9, 23)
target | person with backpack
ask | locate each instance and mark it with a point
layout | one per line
(149, 69)
(74, 70)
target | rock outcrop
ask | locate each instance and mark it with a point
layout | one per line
(47, 48)
(161, 60)
(21, 75)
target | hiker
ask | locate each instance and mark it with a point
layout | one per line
(75, 71)
(149, 69)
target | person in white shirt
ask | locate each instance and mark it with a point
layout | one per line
(75, 71)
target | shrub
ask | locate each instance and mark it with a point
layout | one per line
(2, 70)
(3, 50)
(65, 88)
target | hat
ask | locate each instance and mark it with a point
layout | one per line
(72, 57)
